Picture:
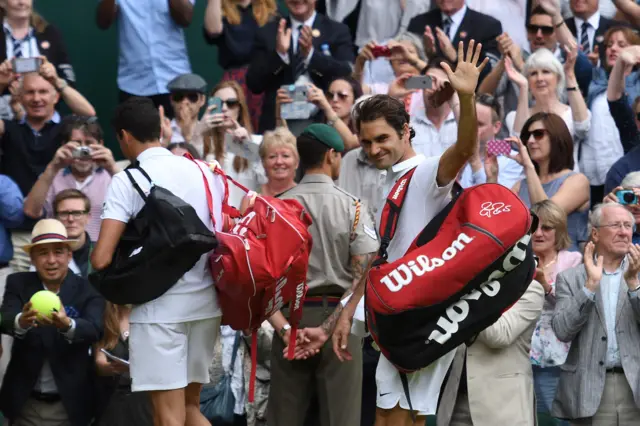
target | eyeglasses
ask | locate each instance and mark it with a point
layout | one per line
(76, 214)
(341, 95)
(546, 30)
(192, 96)
(620, 225)
(231, 103)
(538, 133)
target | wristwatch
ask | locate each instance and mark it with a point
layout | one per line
(284, 329)
(63, 86)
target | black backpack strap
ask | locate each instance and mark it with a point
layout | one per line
(391, 213)
(405, 387)
(136, 166)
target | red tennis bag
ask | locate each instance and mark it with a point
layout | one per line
(470, 263)
(261, 262)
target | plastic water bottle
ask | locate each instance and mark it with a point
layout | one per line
(325, 49)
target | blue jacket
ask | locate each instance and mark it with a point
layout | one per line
(11, 215)
(600, 81)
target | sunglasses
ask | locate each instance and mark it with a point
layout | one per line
(538, 133)
(231, 103)
(341, 95)
(178, 97)
(546, 30)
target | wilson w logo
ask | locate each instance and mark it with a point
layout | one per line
(403, 275)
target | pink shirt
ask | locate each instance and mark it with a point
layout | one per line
(94, 187)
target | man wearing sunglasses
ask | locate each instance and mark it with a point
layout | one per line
(188, 93)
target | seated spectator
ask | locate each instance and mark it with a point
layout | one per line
(28, 35)
(246, 413)
(285, 53)
(188, 95)
(545, 152)
(229, 126)
(485, 167)
(181, 148)
(631, 182)
(336, 106)
(628, 124)
(279, 155)
(544, 30)
(603, 146)
(120, 406)
(151, 45)
(545, 79)
(10, 215)
(28, 145)
(550, 243)
(69, 169)
(595, 300)
(232, 25)
(51, 385)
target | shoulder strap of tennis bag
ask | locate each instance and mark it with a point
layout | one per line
(467, 266)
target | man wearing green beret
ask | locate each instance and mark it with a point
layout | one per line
(344, 241)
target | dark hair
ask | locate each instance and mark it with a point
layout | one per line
(88, 125)
(560, 140)
(491, 102)
(71, 194)
(436, 63)
(356, 87)
(190, 148)
(539, 10)
(138, 116)
(383, 106)
(311, 151)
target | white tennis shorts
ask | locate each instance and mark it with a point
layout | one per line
(170, 356)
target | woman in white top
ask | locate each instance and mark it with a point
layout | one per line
(232, 125)
(545, 79)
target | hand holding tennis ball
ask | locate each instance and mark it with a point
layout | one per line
(45, 303)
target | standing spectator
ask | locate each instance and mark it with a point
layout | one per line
(10, 215)
(29, 144)
(172, 337)
(232, 125)
(232, 25)
(188, 95)
(280, 161)
(151, 45)
(68, 170)
(28, 35)
(120, 406)
(306, 47)
(550, 243)
(597, 310)
(545, 152)
(452, 22)
(49, 380)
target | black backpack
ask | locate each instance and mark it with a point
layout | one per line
(162, 243)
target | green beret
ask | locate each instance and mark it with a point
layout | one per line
(325, 134)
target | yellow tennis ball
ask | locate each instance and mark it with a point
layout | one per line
(46, 302)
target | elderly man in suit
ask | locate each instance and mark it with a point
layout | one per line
(452, 22)
(305, 48)
(598, 311)
(48, 381)
(491, 382)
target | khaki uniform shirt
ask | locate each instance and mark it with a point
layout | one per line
(335, 240)
(359, 177)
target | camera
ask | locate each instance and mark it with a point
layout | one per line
(627, 197)
(26, 65)
(82, 152)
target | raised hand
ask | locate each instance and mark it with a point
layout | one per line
(465, 79)
(522, 157)
(165, 127)
(631, 275)
(514, 75)
(445, 44)
(429, 41)
(570, 62)
(550, 6)
(28, 317)
(594, 267)
(491, 168)
(317, 97)
(305, 42)
(283, 38)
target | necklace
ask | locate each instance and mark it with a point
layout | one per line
(552, 262)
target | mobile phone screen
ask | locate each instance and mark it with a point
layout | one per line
(26, 65)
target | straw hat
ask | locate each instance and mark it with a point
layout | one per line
(48, 231)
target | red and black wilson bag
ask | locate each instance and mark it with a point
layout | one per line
(261, 263)
(468, 265)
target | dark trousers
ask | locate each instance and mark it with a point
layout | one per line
(163, 99)
(337, 385)
(369, 390)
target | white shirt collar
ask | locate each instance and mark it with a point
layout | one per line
(309, 22)
(594, 21)
(407, 164)
(457, 17)
(420, 114)
(152, 152)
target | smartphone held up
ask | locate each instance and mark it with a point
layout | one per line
(26, 65)
(499, 147)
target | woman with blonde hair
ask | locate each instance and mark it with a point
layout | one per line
(232, 125)
(279, 154)
(117, 405)
(550, 243)
(231, 25)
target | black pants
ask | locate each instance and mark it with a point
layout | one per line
(369, 391)
(163, 99)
